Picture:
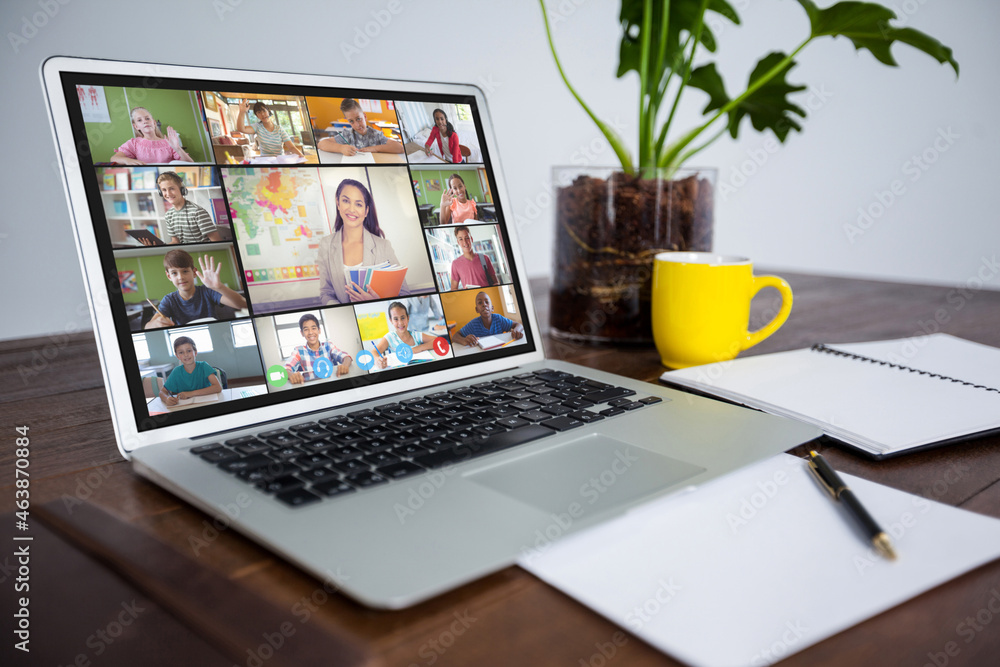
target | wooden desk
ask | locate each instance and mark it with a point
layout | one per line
(513, 618)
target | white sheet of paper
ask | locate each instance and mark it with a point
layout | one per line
(358, 158)
(765, 554)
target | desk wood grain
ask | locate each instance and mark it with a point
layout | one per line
(54, 386)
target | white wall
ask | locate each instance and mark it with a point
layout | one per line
(868, 122)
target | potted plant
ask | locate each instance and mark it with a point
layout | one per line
(610, 224)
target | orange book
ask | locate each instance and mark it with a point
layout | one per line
(387, 282)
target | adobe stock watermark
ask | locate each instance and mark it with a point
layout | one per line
(906, 521)
(422, 492)
(103, 638)
(752, 504)
(273, 641)
(590, 491)
(793, 633)
(32, 23)
(636, 619)
(560, 13)
(968, 629)
(363, 35)
(913, 169)
(904, 11)
(739, 175)
(210, 530)
(432, 650)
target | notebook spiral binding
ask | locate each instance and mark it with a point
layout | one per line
(829, 350)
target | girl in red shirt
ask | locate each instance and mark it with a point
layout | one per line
(444, 128)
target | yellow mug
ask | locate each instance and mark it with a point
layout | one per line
(701, 307)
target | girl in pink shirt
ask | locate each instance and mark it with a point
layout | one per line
(443, 128)
(149, 145)
(455, 203)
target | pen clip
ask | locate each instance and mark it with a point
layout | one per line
(825, 484)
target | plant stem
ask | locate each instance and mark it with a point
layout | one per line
(684, 158)
(668, 159)
(613, 139)
(644, 96)
(684, 79)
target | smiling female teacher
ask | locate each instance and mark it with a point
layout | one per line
(357, 240)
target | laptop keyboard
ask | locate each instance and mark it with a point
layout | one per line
(308, 462)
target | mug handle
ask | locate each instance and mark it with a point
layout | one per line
(759, 283)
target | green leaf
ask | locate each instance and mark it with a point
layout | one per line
(866, 24)
(768, 107)
(684, 16)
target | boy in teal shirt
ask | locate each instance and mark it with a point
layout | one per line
(192, 378)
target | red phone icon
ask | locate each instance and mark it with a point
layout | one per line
(441, 346)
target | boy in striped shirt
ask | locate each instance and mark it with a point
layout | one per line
(185, 222)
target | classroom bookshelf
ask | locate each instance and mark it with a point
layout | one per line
(443, 253)
(131, 200)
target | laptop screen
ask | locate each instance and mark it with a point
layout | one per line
(263, 243)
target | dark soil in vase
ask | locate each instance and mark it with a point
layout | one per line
(607, 233)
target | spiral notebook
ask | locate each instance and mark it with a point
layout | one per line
(883, 398)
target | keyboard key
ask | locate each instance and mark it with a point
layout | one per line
(475, 448)
(255, 447)
(338, 425)
(398, 413)
(586, 417)
(332, 488)
(546, 400)
(632, 405)
(490, 429)
(297, 497)
(272, 434)
(614, 402)
(380, 459)
(201, 449)
(312, 433)
(280, 484)
(284, 440)
(295, 428)
(312, 461)
(611, 412)
(366, 478)
(218, 455)
(398, 470)
(246, 463)
(430, 431)
(430, 418)
(536, 416)
(350, 466)
(502, 411)
(552, 376)
(556, 410)
(410, 450)
(520, 395)
(651, 400)
(286, 453)
(358, 414)
(605, 395)
(373, 432)
(578, 403)
(597, 384)
(235, 442)
(346, 439)
(401, 439)
(524, 405)
(319, 475)
(344, 453)
(439, 442)
(563, 423)
(512, 422)
(373, 446)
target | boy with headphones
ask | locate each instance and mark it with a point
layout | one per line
(185, 222)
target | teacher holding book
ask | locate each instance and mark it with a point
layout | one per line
(357, 240)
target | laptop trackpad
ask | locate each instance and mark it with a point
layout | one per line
(586, 477)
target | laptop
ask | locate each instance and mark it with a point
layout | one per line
(313, 379)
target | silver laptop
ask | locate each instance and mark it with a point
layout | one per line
(334, 351)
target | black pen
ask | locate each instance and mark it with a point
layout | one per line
(832, 482)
